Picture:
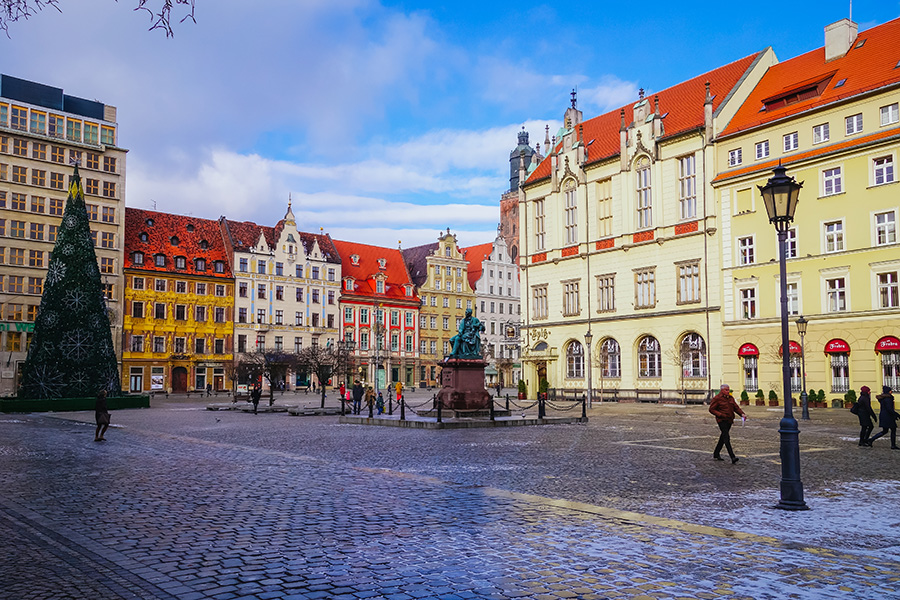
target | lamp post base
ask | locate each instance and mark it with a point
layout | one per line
(791, 486)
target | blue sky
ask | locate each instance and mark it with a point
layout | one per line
(384, 121)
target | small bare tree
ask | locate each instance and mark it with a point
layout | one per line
(160, 12)
(323, 361)
(272, 365)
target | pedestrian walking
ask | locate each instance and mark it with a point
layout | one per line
(255, 395)
(887, 417)
(357, 396)
(101, 415)
(399, 390)
(867, 417)
(208, 389)
(370, 398)
(723, 407)
(498, 389)
(379, 404)
(343, 391)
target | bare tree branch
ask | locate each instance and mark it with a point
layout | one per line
(160, 14)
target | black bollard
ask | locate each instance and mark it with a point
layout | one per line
(371, 406)
(584, 408)
(492, 408)
(540, 406)
(507, 402)
(439, 406)
(402, 408)
(343, 411)
(391, 404)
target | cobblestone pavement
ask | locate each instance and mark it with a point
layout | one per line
(192, 504)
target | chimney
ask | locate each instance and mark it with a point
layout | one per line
(839, 37)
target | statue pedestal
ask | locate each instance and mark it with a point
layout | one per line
(462, 384)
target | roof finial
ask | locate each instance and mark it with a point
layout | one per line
(574, 95)
(708, 96)
(641, 94)
(399, 242)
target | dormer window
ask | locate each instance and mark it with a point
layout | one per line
(143, 236)
(159, 260)
(446, 250)
(409, 290)
(200, 264)
(348, 285)
(173, 240)
(204, 244)
(803, 91)
(219, 266)
(180, 262)
(379, 286)
(137, 258)
(189, 227)
(381, 263)
(149, 222)
(354, 260)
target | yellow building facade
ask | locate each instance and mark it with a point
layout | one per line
(830, 117)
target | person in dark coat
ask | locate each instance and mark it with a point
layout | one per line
(723, 407)
(255, 395)
(887, 417)
(357, 396)
(866, 415)
(101, 415)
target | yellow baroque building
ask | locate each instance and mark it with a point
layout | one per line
(619, 246)
(179, 303)
(830, 117)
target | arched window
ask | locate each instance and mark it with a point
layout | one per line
(649, 358)
(693, 355)
(575, 360)
(644, 196)
(611, 358)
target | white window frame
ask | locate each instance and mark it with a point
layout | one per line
(790, 244)
(853, 124)
(762, 149)
(833, 238)
(687, 187)
(791, 141)
(883, 167)
(606, 292)
(540, 233)
(836, 293)
(832, 181)
(688, 282)
(571, 298)
(735, 157)
(644, 190)
(746, 250)
(645, 287)
(887, 289)
(884, 233)
(821, 133)
(571, 214)
(889, 114)
(749, 305)
(539, 301)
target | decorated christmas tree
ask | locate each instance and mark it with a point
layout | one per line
(71, 354)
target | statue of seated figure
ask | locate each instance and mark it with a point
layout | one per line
(467, 343)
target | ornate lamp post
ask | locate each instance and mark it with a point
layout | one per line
(588, 338)
(780, 195)
(804, 401)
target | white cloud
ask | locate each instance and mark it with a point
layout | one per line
(609, 93)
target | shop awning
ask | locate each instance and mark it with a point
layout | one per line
(837, 346)
(748, 350)
(793, 346)
(887, 344)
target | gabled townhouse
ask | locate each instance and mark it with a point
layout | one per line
(440, 273)
(619, 248)
(288, 285)
(179, 300)
(379, 315)
(830, 117)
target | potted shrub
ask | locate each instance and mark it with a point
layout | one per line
(745, 398)
(543, 387)
(849, 398)
(523, 390)
(773, 398)
(820, 401)
(760, 398)
(811, 398)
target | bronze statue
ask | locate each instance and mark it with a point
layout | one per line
(467, 343)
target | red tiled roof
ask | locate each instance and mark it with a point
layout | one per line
(815, 153)
(866, 68)
(245, 234)
(476, 255)
(367, 266)
(683, 102)
(189, 232)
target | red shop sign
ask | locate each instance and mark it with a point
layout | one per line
(794, 346)
(748, 350)
(837, 345)
(887, 344)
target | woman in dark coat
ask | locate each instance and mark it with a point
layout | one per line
(887, 418)
(866, 415)
(101, 415)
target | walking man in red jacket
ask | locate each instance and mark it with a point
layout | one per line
(723, 407)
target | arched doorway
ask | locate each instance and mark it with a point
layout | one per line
(179, 379)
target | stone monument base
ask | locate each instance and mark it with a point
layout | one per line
(462, 385)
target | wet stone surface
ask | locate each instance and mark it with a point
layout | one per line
(191, 504)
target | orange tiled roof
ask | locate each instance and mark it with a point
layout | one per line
(174, 235)
(862, 69)
(245, 234)
(367, 266)
(476, 255)
(683, 103)
(815, 153)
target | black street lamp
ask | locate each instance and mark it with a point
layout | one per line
(588, 338)
(804, 400)
(780, 195)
